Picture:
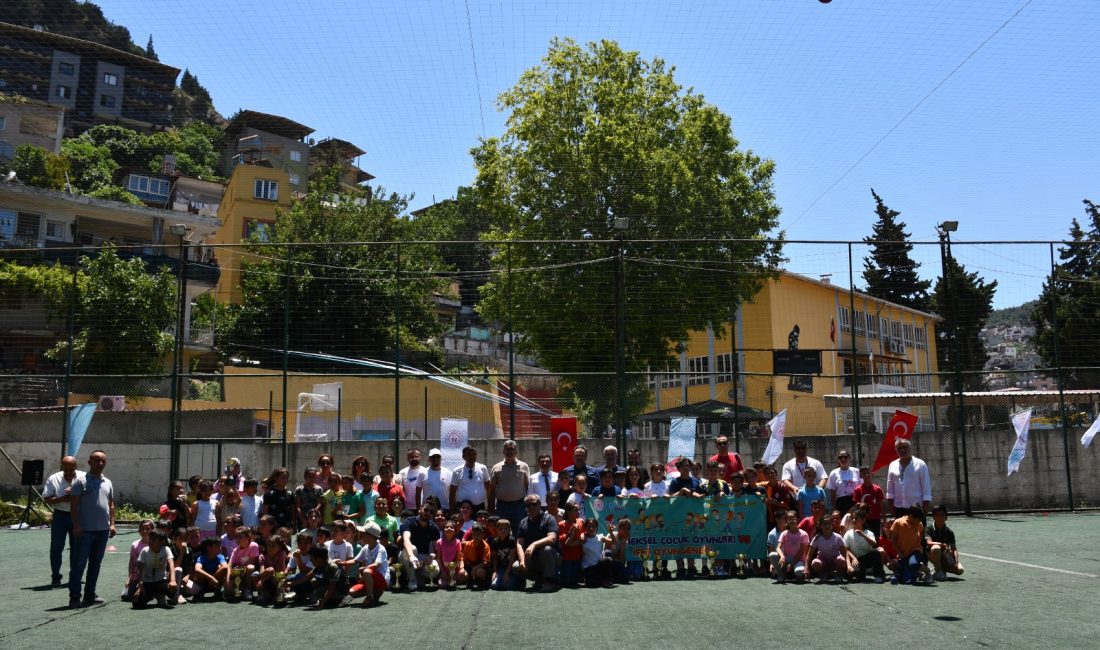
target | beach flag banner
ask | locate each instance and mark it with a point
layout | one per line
(453, 436)
(1086, 439)
(681, 438)
(80, 417)
(778, 427)
(1022, 423)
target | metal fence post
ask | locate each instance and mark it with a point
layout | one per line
(1058, 375)
(855, 358)
(397, 353)
(511, 347)
(286, 343)
(69, 362)
(620, 336)
(735, 365)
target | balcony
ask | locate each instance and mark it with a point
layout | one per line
(66, 254)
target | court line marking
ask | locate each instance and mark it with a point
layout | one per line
(1031, 566)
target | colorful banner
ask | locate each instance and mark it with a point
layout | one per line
(680, 527)
(1022, 423)
(1086, 439)
(778, 427)
(681, 438)
(563, 440)
(453, 436)
(80, 416)
(901, 426)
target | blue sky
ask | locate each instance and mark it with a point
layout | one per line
(1007, 145)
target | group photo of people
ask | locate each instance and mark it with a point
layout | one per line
(336, 538)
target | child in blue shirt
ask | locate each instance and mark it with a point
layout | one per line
(809, 493)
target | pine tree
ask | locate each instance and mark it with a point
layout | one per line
(150, 53)
(965, 301)
(889, 271)
(1072, 291)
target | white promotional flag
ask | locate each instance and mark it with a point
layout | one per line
(681, 438)
(1086, 439)
(453, 436)
(1022, 423)
(778, 426)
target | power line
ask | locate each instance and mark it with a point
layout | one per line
(477, 79)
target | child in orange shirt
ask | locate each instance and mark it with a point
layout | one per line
(907, 535)
(476, 557)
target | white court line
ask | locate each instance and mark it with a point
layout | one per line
(1031, 566)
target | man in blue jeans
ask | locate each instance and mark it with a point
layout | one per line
(56, 493)
(93, 513)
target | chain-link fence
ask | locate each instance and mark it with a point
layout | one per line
(273, 346)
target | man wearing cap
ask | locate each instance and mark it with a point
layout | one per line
(56, 493)
(509, 480)
(437, 480)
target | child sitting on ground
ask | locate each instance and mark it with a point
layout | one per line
(506, 552)
(273, 562)
(477, 559)
(242, 564)
(156, 572)
(863, 553)
(940, 541)
(595, 565)
(828, 559)
(300, 568)
(374, 567)
(907, 534)
(793, 546)
(211, 569)
(448, 551)
(329, 582)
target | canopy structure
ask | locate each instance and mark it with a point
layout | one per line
(975, 398)
(709, 412)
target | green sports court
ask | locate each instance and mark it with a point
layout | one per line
(1030, 579)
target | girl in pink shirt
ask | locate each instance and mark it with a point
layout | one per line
(448, 553)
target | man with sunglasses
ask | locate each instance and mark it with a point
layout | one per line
(794, 470)
(728, 464)
(470, 481)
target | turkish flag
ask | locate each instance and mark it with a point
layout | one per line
(901, 426)
(563, 440)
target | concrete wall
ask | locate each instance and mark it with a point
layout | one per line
(139, 467)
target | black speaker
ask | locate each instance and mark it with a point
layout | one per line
(33, 469)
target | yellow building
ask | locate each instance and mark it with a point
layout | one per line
(891, 347)
(253, 195)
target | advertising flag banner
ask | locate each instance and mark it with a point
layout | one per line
(453, 436)
(80, 416)
(778, 427)
(681, 438)
(1086, 439)
(683, 527)
(1022, 423)
(901, 426)
(563, 440)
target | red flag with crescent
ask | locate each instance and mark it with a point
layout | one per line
(563, 440)
(901, 426)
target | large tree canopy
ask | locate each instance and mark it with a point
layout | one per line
(965, 300)
(1073, 293)
(889, 270)
(595, 134)
(344, 299)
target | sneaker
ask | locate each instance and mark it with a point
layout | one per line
(55, 582)
(548, 588)
(940, 576)
(248, 595)
(879, 581)
(74, 603)
(93, 600)
(346, 600)
(180, 600)
(893, 580)
(928, 578)
(412, 586)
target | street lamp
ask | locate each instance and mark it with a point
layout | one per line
(621, 225)
(944, 231)
(179, 230)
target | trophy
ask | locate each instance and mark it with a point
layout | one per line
(710, 560)
(452, 567)
(280, 585)
(238, 574)
(658, 568)
(742, 566)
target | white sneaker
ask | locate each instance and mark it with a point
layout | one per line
(180, 600)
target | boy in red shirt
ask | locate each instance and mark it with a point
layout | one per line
(870, 496)
(571, 534)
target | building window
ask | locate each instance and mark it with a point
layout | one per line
(267, 190)
(3, 122)
(147, 185)
(698, 370)
(55, 230)
(110, 79)
(295, 179)
(724, 363)
(844, 326)
(918, 338)
(260, 230)
(857, 323)
(64, 92)
(907, 334)
(107, 101)
(295, 156)
(872, 326)
(66, 68)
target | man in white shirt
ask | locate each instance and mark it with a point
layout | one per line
(794, 468)
(544, 481)
(56, 493)
(437, 480)
(470, 481)
(908, 482)
(410, 479)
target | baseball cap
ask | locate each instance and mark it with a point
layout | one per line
(434, 452)
(371, 529)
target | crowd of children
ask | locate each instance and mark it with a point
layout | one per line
(337, 539)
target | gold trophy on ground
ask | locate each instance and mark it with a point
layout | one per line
(658, 566)
(742, 565)
(280, 585)
(452, 567)
(238, 575)
(710, 561)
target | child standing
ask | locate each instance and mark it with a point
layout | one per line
(870, 496)
(571, 534)
(203, 512)
(133, 576)
(307, 497)
(158, 576)
(595, 565)
(250, 503)
(657, 485)
(809, 492)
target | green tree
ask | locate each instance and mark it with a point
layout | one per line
(91, 167)
(151, 53)
(595, 134)
(889, 271)
(1072, 292)
(459, 220)
(965, 301)
(193, 103)
(342, 298)
(193, 145)
(37, 167)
